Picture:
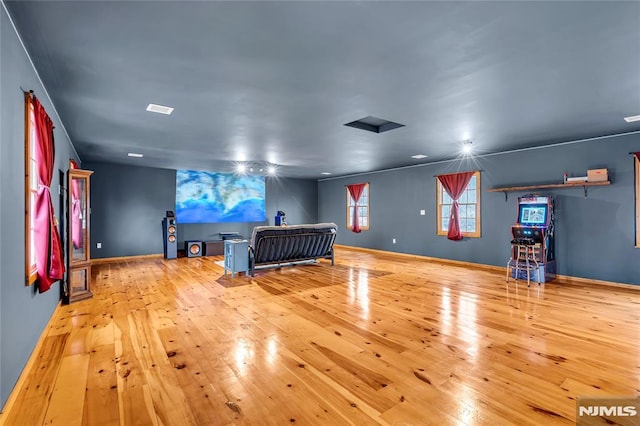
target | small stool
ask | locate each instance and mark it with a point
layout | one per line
(523, 257)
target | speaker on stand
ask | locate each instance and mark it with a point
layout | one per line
(170, 236)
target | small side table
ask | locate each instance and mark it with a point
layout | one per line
(236, 256)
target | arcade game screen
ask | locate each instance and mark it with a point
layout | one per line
(533, 215)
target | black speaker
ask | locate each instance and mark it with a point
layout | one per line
(193, 248)
(170, 237)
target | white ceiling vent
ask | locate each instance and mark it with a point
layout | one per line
(160, 109)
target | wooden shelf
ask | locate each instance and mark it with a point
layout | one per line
(584, 185)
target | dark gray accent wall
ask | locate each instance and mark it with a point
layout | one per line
(594, 235)
(128, 204)
(24, 313)
(298, 198)
(127, 207)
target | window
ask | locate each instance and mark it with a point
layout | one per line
(363, 208)
(637, 162)
(31, 189)
(469, 211)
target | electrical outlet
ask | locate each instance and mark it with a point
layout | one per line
(394, 241)
(98, 245)
(423, 212)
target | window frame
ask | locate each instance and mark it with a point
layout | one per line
(30, 176)
(366, 207)
(637, 181)
(439, 204)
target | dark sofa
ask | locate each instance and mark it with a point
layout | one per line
(284, 244)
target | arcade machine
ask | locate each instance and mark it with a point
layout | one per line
(534, 227)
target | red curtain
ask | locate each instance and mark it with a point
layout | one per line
(355, 190)
(49, 258)
(455, 184)
(637, 154)
(76, 228)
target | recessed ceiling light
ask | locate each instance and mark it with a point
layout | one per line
(242, 168)
(632, 118)
(160, 109)
(271, 170)
(325, 173)
(467, 147)
(419, 156)
(136, 155)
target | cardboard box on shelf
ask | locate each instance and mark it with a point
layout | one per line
(597, 175)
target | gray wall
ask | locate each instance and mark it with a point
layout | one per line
(23, 312)
(594, 235)
(298, 198)
(128, 204)
(127, 207)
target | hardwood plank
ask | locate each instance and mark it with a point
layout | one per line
(33, 397)
(101, 398)
(67, 399)
(133, 399)
(196, 379)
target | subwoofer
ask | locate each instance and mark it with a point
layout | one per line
(193, 248)
(170, 237)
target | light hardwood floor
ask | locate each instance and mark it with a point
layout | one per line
(376, 339)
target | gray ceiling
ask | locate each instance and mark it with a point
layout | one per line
(277, 81)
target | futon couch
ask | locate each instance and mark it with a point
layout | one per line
(286, 244)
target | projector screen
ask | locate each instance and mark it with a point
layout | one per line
(206, 197)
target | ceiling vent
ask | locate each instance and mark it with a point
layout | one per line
(160, 109)
(374, 124)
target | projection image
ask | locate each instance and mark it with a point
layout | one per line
(206, 197)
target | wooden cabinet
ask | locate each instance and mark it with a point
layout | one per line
(236, 256)
(78, 286)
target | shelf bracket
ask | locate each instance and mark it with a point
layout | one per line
(585, 190)
(506, 196)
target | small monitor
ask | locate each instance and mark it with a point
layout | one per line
(533, 214)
